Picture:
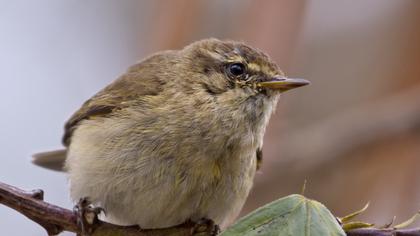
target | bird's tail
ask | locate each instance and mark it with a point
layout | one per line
(53, 160)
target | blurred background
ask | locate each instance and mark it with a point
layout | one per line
(354, 134)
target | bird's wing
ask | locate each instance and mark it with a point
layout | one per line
(140, 80)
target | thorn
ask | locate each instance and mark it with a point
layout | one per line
(37, 194)
(387, 225)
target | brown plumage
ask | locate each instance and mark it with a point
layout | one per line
(177, 137)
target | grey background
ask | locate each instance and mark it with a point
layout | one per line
(53, 56)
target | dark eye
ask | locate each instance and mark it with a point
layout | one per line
(236, 69)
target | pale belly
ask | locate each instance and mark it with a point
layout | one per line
(156, 192)
(173, 203)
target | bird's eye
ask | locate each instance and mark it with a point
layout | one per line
(236, 69)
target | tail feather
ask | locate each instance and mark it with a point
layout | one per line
(53, 160)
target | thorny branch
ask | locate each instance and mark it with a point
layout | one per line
(384, 232)
(56, 219)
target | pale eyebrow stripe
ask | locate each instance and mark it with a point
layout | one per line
(254, 67)
(258, 68)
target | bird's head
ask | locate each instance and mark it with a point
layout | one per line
(229, 80)
(226, 66)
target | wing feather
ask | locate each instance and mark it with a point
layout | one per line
(140, 80)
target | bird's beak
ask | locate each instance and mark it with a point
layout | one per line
(282, 83)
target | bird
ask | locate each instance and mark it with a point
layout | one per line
(178, 137)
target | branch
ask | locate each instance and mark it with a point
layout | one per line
(55, 219)
(384, 232)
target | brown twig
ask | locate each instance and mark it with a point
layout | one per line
(56, 219)
(384, 232)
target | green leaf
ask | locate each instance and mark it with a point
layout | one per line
(408, 222)
(293, 215)
(355, 225)
(351, 216)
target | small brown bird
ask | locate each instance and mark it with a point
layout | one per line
(178, 137)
